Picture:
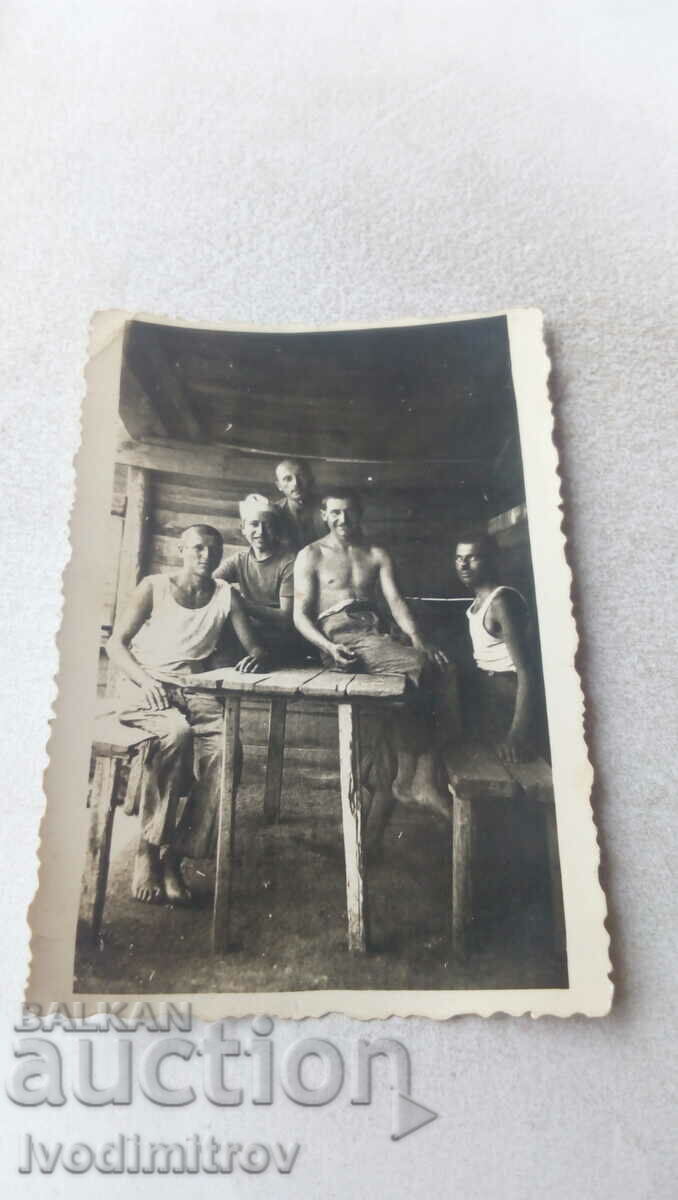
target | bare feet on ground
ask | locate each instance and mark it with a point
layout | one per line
(175, 885)
(423, 790)
(147, 883)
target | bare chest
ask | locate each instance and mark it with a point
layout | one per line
(352, 571)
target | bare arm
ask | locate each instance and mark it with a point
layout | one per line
(306, 608)
(256, 654)
(137, 611)
(268, 614)
(401, 612)
(227, 569)
(509, 619)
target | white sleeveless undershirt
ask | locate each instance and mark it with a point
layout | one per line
(175, 637)
(491, 653)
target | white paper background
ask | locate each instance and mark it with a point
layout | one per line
(277, 161)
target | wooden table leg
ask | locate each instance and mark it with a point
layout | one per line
(462, 850)
(95, 877)
(352, 822)
(226, 822)
(274, 760)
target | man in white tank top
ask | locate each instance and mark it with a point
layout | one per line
(173, 623)
(498, 625)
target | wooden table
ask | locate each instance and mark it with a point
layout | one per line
(350, 693)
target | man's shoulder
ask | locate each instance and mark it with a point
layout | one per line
(378, 554)
(312, 552)
(150, 582)
(505, 594)
(286, 558)
(230, 566)
(282, 561)
(507, 601)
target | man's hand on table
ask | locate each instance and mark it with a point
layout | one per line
(433, 653)
(251, 663)
(343, 659)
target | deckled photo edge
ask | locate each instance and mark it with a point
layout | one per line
(53, 913)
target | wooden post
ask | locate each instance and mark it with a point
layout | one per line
(462, 849)
(95, 876)
(134, 534)
(131, 561)
(274, 760)
(226, 823)
(352, 822)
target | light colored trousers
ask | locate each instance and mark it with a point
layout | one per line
(183, 762)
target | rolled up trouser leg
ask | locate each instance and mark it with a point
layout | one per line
(166, 771)
(379, 654)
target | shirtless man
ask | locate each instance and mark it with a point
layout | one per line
(504, 686)
(300, 521)
(337, 584)
(264, 576)
(172, 625)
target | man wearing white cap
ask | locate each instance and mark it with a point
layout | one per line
(263, 574)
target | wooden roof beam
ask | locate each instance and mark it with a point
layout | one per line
(217, 461)
(165, 390)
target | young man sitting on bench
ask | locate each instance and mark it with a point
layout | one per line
(173, 624)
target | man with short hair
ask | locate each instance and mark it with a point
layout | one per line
(172, 625)
(338, 582)
(264, 576)
(503, 690)
(300, 521)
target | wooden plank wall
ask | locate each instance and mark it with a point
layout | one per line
(419, 525)
(510, 530)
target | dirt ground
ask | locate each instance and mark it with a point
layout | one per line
(289, 910)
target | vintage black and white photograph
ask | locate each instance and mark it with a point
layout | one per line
(321, 744)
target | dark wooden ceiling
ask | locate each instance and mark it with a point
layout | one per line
(430, 393)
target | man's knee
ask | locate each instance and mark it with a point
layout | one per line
(175, 732)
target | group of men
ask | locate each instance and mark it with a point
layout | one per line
(308, 586)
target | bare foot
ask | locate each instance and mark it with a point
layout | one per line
(147, 878)
(175, 885)
(425, 795)
(404, 781)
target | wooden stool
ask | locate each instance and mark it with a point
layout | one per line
(114, 745)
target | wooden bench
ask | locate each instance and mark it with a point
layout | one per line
(116, 744)
(475, 775)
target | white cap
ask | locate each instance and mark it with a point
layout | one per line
(254, 506)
